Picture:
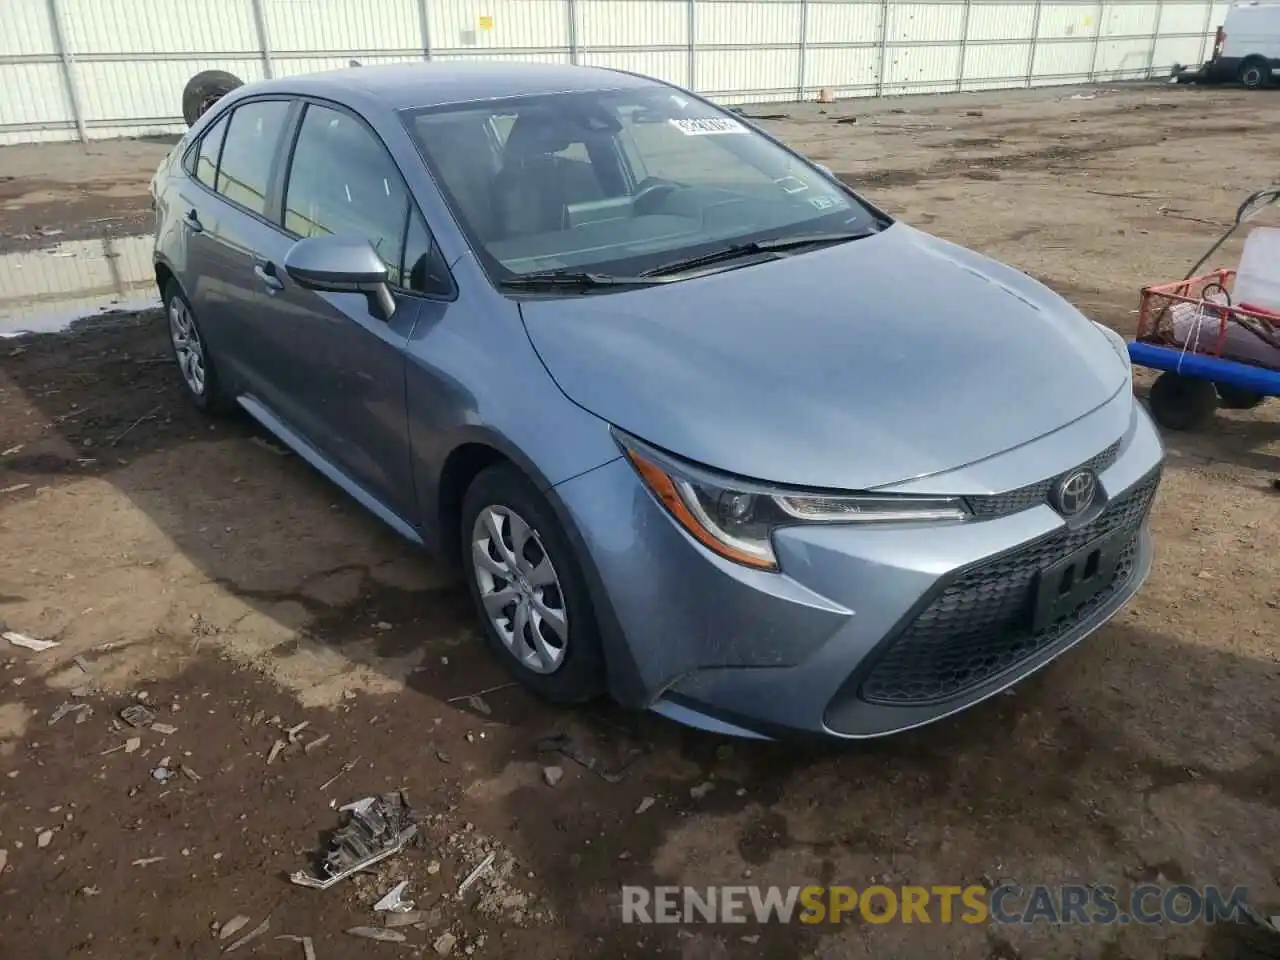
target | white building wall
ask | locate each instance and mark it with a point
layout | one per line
(107, 68)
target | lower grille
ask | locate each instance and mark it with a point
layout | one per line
(981, 624)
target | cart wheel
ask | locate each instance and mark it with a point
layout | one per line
(1182, 403)
(1233, 398)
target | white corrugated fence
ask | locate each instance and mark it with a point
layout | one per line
(109, 68)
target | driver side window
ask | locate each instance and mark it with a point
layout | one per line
(343, 182)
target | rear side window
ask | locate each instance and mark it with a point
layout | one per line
(343, 182)
(203, 162)
(250, 146)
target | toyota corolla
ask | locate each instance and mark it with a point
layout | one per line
(706, 430)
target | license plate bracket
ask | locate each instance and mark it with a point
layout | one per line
(1075, 579)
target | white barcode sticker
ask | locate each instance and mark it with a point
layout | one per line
(705, 126)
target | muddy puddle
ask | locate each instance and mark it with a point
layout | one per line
(46, 291)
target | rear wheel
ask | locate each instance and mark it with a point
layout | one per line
(1182, 403)
(1255, 73)
(204, 90)
(528, 589)
(198, 374)
(1233, 398)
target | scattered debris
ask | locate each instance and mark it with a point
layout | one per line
(15, 488)
(189, 773)
(393, 901)
(552, 775)
(346, 768)
(973, 113)
(316, 743)
(378, 933)
(478, 693)
(846, 120)
(374, 829)
(1084, 96)
(701, 790)
(478, 704)
(296, 730)
(132, 744)
(83, 664)
(136, 715)
(22, 640)
(404, 919)
(444, 944)
(443, 757)
(150, 415)
(13, 451)
(645, 804)
(161, 774)
(164, 729)
(276, 748)
(83, 711)
(564, 744)
(253, 934)
(233, 926)
(475, 874)
(308, 948)
(4, 859)
(44, 838)
(765, 116)
(90, 891)
(147, 861)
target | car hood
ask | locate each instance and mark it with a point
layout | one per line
(850, 367)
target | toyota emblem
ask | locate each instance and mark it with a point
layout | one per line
(1074, 493)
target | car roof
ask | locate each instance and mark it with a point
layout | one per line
(403, 86)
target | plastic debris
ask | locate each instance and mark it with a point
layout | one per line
(296, 730)
(164, 729)
(161, 774)
(232, 927)
(253, 934)
(444, 944)
(44, 838)
(552, 775)
(393, 901)
(372, 830)
(83, 710)
(28, 643)
(475, 874)
(147, 861)
(276, 750)
(136, 715)
(316, 744)
(645, 804)
(132, 744)
(377, 933)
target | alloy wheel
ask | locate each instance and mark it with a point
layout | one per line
(519, 589)
(187, 346)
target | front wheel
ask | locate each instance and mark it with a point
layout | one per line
(528, 588)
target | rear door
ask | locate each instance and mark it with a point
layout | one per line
(229, 220)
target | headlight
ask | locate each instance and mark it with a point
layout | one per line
(736, 518)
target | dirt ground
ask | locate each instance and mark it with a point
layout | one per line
(195, 567)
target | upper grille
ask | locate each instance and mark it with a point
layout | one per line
(981, 624)
(1034, 494)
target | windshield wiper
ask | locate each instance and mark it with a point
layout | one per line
(570, 279)
(738, 250)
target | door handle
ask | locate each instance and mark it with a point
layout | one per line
(193, 221)
(265, 271)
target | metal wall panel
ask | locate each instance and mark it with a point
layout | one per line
(922, 69)
(646, 24)
(853, 71)
(1184, 50)
(342, 25)
(498, 24)
(289, 66)
(925, 22)
(669, 65)
(747, 71)
(146, 92)
(33, 94)
(844, 23)
(992, 66)
(1129, 19)
(1180, 18)
(27, 29)
(1123, 59)
(1001, 21)
(741, 22)
(160, 26)
(1063, 21)
(1062, 62)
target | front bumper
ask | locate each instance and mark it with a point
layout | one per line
(867, 631)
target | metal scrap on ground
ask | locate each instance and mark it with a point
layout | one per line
(372, 830)
(253, 934)
(393, 901)
(29, 643)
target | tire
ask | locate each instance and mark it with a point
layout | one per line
(1233, 398)
(196, 370)
(1182, 403)
(204, 90)
(1255, 73)
(571, 667)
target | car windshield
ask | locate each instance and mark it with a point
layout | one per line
(618, 182)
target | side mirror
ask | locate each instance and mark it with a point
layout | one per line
(341, 265)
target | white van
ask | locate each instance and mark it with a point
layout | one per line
(1247, 48)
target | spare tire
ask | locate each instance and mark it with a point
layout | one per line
(204, 90)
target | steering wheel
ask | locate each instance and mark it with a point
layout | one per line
(651, 192)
